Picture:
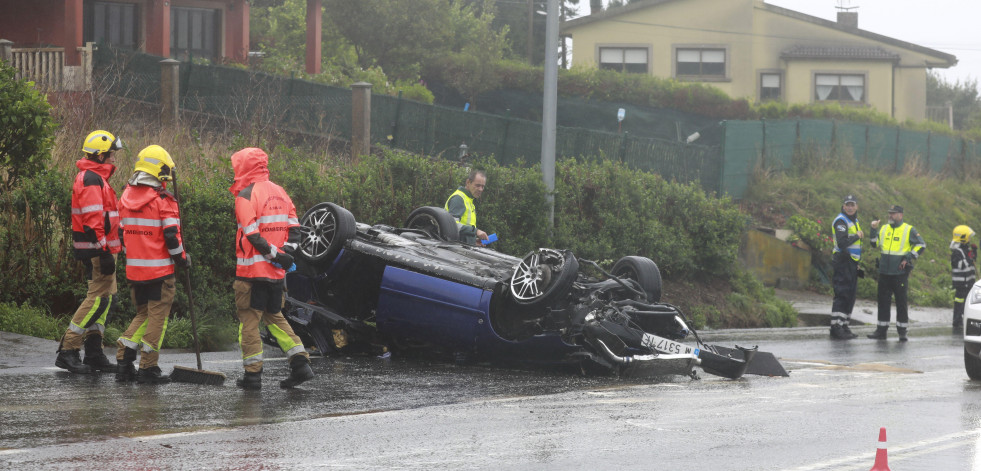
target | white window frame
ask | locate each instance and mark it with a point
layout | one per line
(763, 82)
(623, 49)
(704, 51)
(830, 86)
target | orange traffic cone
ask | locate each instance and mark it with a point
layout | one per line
(881, 460)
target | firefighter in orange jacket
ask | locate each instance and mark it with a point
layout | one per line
(95, 239)
(268, 231)
(152, 237)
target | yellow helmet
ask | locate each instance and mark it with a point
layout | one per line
(155, 161)
(98, 142)
(962, 234)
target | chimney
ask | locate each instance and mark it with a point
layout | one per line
(848, 19)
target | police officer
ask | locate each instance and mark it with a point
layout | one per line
(460, 206)
(268, 231)
(152, 236)
(95, 241)
(901, 245)
(962, 257)
(845, 256)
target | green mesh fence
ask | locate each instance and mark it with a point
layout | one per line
(721, 160)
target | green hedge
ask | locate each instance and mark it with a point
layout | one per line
(603, 211)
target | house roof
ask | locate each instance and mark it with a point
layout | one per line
(840, 53)
(943, 59)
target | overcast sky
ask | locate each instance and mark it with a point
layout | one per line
(945, 25)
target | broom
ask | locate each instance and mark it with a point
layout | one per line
(181, 374)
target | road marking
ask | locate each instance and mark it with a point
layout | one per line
(902, 452)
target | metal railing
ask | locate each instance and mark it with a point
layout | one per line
(45, 66)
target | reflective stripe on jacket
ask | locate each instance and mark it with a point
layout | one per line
(855, 249)
(146, 215)
(265, 209)
(963, 273)
(897, 244)
(95, 214)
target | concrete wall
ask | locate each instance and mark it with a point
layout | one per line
(774, 261)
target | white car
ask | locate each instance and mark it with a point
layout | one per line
(972, 333)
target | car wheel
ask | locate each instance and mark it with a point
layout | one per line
(972, 365)
(642, 270)
(543, 277)
(325, 229)
(434, 221)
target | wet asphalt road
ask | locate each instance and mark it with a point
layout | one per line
(368, 413)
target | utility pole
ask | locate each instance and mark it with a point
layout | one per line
(548, 106)
(531, 31)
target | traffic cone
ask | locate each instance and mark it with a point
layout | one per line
(881, 460)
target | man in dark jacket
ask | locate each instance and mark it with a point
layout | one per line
(963, 274)
(95, 241)
(901, 245)
(845, 256)
(461, 206)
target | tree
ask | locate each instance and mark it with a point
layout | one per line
(26, 129)
(278, 28)
(472, 69)
(964, 97)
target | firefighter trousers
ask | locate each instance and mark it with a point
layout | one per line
(146, 331)
(254, 304)
(91, 316)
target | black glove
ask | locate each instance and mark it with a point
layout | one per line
(860, 273)
(107, 264)
(183, 262)
(284, 260)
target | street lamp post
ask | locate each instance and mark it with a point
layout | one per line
(548, 106)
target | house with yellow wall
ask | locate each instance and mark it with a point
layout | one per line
(750, 49)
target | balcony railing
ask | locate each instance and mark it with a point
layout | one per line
(45, 66)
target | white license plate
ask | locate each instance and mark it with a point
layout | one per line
(664, 345)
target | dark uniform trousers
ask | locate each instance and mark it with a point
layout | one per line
(897, 285)
(845, 283)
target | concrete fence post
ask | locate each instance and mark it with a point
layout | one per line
(6, 51)
(360, 119)
(169, 92)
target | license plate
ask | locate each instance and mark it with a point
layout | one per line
(664, 345)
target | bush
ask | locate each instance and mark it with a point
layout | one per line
(26, 129)
(28, 320)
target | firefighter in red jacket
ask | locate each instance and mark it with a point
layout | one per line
(95, 239)
(152, 237)
(268, 231)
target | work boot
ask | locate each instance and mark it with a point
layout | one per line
(902, 333)
(300, 371)
(251, 380)
(879, 334)
(839, 332)
(72, 361)
(95, 357)
(151, 375)
(125, 371)
(959, 322)
(848, 332)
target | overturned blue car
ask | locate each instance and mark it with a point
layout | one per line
(373, 289)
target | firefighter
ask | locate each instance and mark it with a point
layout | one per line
(268, 232)
(901, 245)
(845, 256)
(95, 241)
(460, 206)
(963, 254)
(152, 236)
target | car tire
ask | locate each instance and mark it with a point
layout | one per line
(543, 277)
(972, 365)
(642, 270)
(435, 221)
(326, 228)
